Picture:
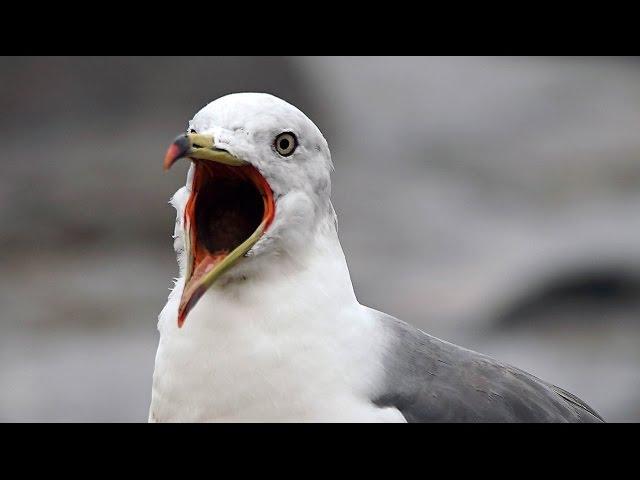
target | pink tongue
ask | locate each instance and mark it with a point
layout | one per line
(193, 290)
(206, 265)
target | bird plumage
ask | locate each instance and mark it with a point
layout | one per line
(430, 380)
(281, 335)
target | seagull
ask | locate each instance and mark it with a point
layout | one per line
(263, 324)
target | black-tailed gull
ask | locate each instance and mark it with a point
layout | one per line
(263, 323)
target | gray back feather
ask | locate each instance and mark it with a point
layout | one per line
(430, 380)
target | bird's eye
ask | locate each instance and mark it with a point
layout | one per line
(286, 143)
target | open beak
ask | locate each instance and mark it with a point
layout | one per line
(230, 207)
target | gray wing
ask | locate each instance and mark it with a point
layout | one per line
(430, 380)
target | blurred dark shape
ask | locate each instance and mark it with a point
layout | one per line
(583, 294)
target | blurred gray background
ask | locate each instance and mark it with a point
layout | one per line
(493, 202)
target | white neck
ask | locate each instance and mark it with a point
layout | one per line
(316, 277)
(290, 343)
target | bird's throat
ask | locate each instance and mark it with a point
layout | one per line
(229, 209)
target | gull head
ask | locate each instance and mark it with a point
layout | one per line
(258, 186)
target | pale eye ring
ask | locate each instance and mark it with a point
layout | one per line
(286, 143)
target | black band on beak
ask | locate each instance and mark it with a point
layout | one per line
(178, 149)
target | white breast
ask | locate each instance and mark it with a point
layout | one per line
(290, 349)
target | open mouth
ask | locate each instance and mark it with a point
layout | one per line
(229, 209)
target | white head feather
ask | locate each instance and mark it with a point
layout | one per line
(246, 124)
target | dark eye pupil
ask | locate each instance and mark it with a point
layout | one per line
(284, 144)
